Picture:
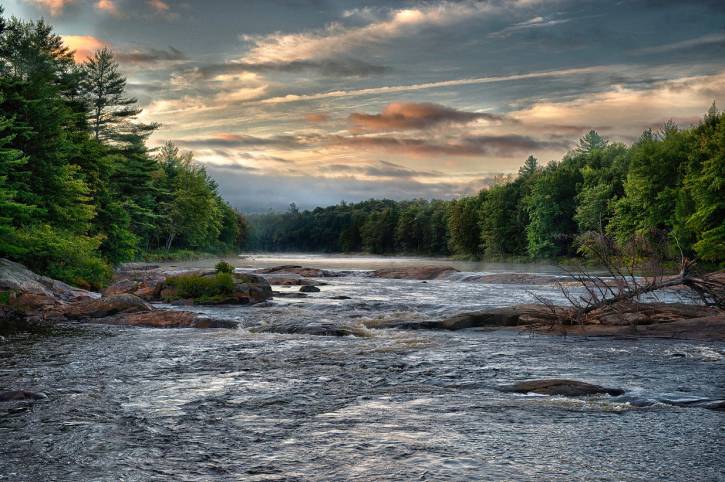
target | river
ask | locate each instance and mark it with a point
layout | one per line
(145, 404)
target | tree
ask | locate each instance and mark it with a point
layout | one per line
(104, 89)
(11, 211)
(591, 142)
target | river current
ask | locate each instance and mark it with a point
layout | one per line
(146, 404)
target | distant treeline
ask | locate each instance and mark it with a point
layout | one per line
(79, 188)
(669, 183)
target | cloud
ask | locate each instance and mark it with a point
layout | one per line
(83, 45)
(54, 7)
(336, 39)
(108, 6)
(159, 6)
(536, 22)
(505, 145)
(225, 140)
(411, 115)
(717, 38)
(334, 68)
(381, 169)
(317, 117)
(141, 56)
(251, 191)
(394, 89)
(630, 110)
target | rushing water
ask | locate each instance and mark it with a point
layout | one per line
(145, 404)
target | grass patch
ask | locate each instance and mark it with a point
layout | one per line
(202, 289)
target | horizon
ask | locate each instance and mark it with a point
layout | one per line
(314, 103)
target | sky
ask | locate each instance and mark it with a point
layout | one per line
(319, 101)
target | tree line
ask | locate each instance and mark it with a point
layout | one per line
(669, 183)
(80, 190)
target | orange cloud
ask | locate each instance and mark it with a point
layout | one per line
(108, 6)
(55, 7)
(317, 117)
(411, 115)
(83, 45)
(159, 6)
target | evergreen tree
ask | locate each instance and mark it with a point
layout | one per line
(104, 88)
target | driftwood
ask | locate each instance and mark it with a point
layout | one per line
(631, 273)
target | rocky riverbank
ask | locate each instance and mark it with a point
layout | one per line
(137, 290)
(30, 298)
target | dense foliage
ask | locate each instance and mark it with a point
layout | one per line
(79, 188)
(671, 181)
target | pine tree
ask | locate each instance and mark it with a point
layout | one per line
(11, 211)
(104, 88)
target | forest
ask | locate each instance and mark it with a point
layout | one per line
(80, 190)
(669, 185)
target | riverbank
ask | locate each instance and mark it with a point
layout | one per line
(280, 289)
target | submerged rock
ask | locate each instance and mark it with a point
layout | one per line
(516, 278)
(487, 318)
(299, 271)
(167, 319)
(568, 388)
(317, 329)
(103, 307)
(20, 395)
(415, 272)
(289, 294)
(309, 289)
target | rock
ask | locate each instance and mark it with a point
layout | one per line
(289, 294)
(19, 395)
(167, 319)
(488, 318)
(29, 292)
(249, 289)
(340, 297)
(299, 271)
(568, 388)
(124, 286)
(516, 278)
(106, 307)
(316, 329)
(309, 289)
(415, 272)
(124, 267)
(290, 280)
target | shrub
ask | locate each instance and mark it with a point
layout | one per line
(223, 267)
(202, 288)
(64, 256)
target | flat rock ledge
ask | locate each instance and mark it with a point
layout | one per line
(655, 320)
(415, 272)
(567, 388)
(315, 329)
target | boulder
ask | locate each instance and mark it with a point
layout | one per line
(309, 289)
(415, 272)
(166, 319)
(30, 292)
(289, 280)
(487, 318)
(568, 388)
(315, 328)
(289, 294)
(299, 271)
(20, 395)
(106, 307)
(249, 289)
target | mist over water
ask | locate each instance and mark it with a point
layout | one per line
(146, 404)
